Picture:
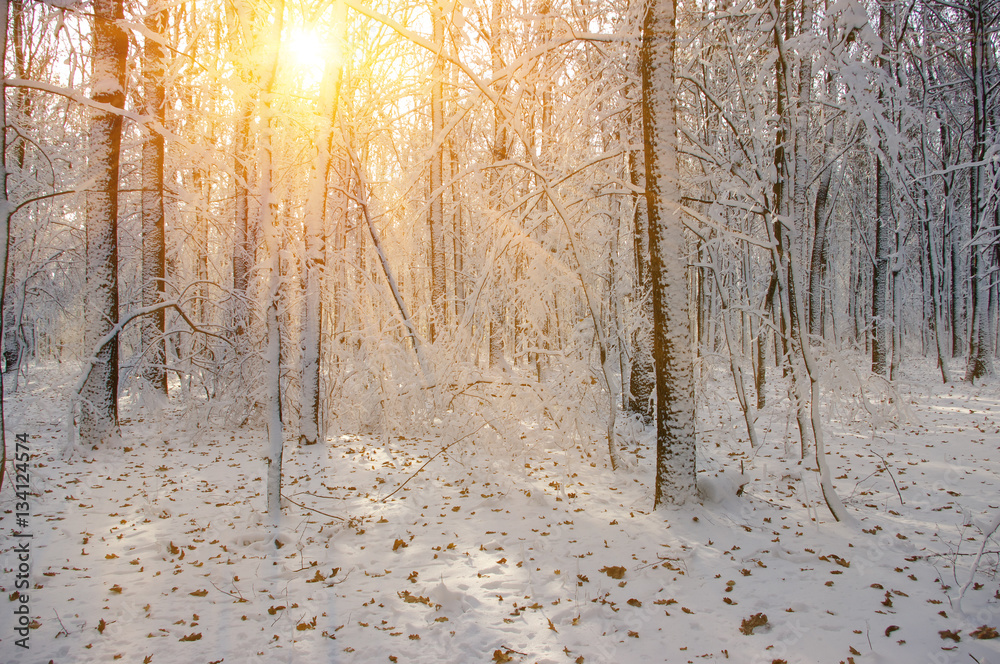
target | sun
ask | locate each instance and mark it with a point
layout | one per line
(307, 51)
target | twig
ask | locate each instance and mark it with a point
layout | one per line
(64, 630)
(436, 455)
(950, 554)
(312, 509)
(511, 650)
(987, 534)
(891, 476)
(336, 583)
(238, 597)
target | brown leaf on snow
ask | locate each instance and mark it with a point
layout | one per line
(984, 632)
(834, 558)
(115, 590)
(950, 634)
(399, 544)
(615, 572)
(748, 625)
(890, 629)
(410, 598)
(199, 593)
(101, 626)
(500, 657)
(196, 636)
(634, 602)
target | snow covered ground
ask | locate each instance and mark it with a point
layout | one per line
(154, 552)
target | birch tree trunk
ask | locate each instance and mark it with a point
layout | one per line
(98, 421)
(154, 253)
(272, 241)
(315, 246)
(672, 351)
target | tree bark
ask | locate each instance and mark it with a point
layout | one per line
(98, 422)
(881, 313)
(315, 247)
(642, 377)
(498, 310)
(672, 351)
(980, 360)
(271, 227)
(435, 213)
(154, 254)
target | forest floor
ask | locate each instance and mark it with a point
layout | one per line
(155, 553)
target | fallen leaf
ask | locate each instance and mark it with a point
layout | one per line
(614, 572)
(748, 625)
(410, 598)
(984, 632)
(192, 637)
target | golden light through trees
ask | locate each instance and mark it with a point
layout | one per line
(305, 51)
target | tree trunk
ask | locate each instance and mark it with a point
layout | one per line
(498, 310)
(642, 378)
(980, 360)
(271, 226)
(672, 352)
(154, 252)
(315, 253)
(435, 213)
(881, 315)
(99, 397)
(4, 221)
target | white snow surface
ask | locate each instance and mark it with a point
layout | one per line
(157, 552)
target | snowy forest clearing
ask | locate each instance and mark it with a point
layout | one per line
(156, 552)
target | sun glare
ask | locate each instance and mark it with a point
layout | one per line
(307, 52)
